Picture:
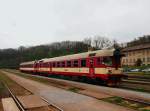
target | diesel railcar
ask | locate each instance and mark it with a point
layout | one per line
(102, 65)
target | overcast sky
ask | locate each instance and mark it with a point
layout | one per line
(34, 22)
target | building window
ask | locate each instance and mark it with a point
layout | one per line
(143, 52)
(126, 60)
(123, 60)
(133, 53)
(143, 59)
(147, 51)
(148, 59)
(130, 60)
(129, 53)
(134, 60)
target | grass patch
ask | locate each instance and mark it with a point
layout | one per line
(74, 89)
(3, 91)
(140, 73)
(145, 109)
(140, 90)
(15, 88)
(5, 79)
(126, 103)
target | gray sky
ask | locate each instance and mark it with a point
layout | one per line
(34, 22)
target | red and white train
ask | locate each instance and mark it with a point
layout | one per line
(101, 64)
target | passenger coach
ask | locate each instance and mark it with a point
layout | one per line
(101, 65)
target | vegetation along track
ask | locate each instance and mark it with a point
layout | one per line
(70, 87)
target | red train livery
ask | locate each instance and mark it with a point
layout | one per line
(101, 65)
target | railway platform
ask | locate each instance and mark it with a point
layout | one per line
(66, 100)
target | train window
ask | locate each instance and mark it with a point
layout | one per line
(99, 61)
(68, 63)
(50, 64)
(75, 63)
(63, 64)
(54, 64)
(107, 61)
(30, 65)
(83, 63)
(45, 64)
(58, 64)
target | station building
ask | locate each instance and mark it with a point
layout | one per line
(132, 54)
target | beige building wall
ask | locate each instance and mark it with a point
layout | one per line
(132, 56)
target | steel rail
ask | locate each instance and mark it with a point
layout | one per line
(19, 105)
(51, 104)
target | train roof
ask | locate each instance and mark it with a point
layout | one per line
(25, 63)
(105, 52)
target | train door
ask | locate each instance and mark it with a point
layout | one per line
(91, 67)
(35, 66)
(50, 67)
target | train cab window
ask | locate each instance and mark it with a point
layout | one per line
(75, 63)
(107, 61)
(63, 64)
(58, 64)
(83, 63)
(68, 63)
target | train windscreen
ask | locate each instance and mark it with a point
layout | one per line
(117, 58)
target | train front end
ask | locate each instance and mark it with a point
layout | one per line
(115, 73)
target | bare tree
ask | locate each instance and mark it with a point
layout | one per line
(88, 41)
(101, 42)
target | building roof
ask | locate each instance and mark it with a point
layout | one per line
(137, 47)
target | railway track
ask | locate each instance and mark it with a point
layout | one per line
(19, 105)
(60, 84)
(136, 82)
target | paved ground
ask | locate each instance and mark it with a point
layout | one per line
(66, 100)
(28, 104)
(102, 90)
(9, 102)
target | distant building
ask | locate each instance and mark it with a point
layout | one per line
(133, 53)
